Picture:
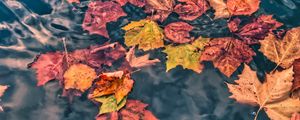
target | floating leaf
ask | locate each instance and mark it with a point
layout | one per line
(257, 30)
(242, 7)
(139, 3)
(116, 83)
(79, 77)
(138, 62)
(186, 55)
(191, 9)
(220, 8)
(134, 110)
(227, 54)
(272, 95)
(178, 32)
(73, 1)
(282, 52)
(109, 104)
(144, 33)
(296, 82)
(159, 9)
(296, 116)
(98, 14)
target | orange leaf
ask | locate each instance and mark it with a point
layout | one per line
(242, 7)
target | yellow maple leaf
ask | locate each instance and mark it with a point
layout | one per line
(272, 95)
(186, 55)
(282, 52)
(144, 33)
(79, 77)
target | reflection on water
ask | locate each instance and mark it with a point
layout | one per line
(28, 28)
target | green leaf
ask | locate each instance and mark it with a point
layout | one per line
(109, 104)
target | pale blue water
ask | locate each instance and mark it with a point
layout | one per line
(30, 27)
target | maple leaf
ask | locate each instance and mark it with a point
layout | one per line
(144, 33)
(178, 32)
(79, 77)
(220, 7)
(134, 110)
(191, 9)
(109, 104)
(98, 14)
(272, 95)
(282, 52)
(227, 54)
(116, 83)
(159, 9)
(186, 55)
(139, 3)
(296, 82)
(258, 29)
(138, 62)
(242, 7)
(49, 66)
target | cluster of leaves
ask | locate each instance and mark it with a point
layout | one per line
(86, 70)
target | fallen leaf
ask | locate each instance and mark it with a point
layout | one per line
(257, 30)
(186, 55)
(296, 116)
(139, 3)
(191, 9)
(141, 61)
(272, 95)
(282, 52)
(49, 66)
(159, 9)
(79, 77)
(227, 54)
(116, 83)
(242, 7)
(144, 33)
(73, 1)
(296, 82)
(220, 7)
(3, 88)
(178, 32)
(134, 110)
(98, 14)
(109, 104)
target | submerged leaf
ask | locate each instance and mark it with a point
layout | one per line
(191, 9)
(3, 88)
(178, 32)
(139, 3)
(144, 33)
(282, 52)
(79, 77)
(98, 14)
(227, 54)
(186, 55)
(138, 62)
(242, 7)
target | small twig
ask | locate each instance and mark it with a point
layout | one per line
(66, 51)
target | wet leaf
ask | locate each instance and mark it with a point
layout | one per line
(242, 7)
(141, 61)
(139, 3)
(116, 83)
(178, 32)
(3, 88)
(296, 116)
(282, 52)
(73, 1)
(109, 104)
(98, 14)
(272, 95)
(159, 9)
(191, 9)
(257, 30)
(186, 55)
(79, 77)
(227, 54)
(296, 82)
(134, 110)
(220, 7)
(144, 33)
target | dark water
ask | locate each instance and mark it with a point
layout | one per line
(30, 27)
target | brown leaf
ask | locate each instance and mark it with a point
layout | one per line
(178, 32)
(282, 52)
(220, 8)
(159, 9)
(191, 9)
(258, 29)
(227, 54)
(138, 62)
(134, 110)
(296, 82)
(73, 1)
(139, 3)
(79, 77)
(242, 7)
(98, 14)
